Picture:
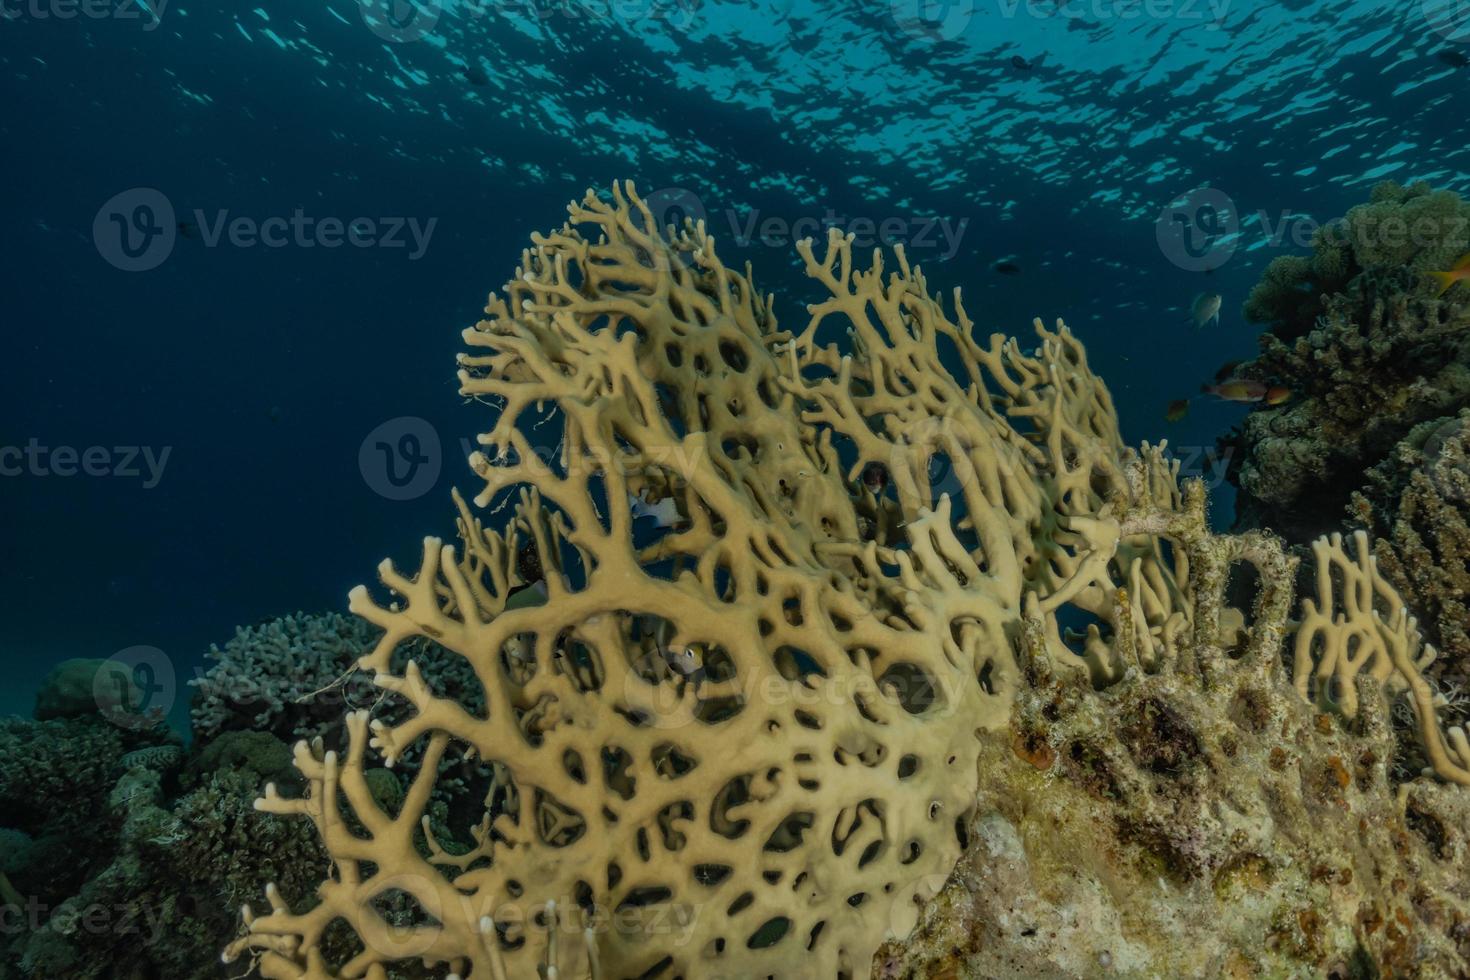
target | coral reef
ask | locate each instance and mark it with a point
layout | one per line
(1357, 332)
(1380, 362)
(886, 610)
(1172, 828)
(176, 873)
(1379, 248)
(125, 857)
(73, 690)
(53, 788)
(1208, 818)
(1416, 506)
(273, 677)
(293, 677)
(58, 825)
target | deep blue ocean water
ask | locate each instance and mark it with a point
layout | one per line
(1047, 138)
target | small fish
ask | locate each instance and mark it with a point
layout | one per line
(1007, 268)
(1454, 58)
(1246, 391)
(687, 661)
(1176, 410)
(665, 513)
(1459, 272)
(520, 650)
(526, 596)
(1021, 64)
(475, 75)
(1205, 308)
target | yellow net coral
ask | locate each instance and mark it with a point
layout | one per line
(744, 747)
(1358, 625)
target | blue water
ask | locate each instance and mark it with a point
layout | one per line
(260, 370)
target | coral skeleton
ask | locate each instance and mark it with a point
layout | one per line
(748, 742)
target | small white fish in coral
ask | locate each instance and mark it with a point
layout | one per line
(687, 661)
(665, 513)
(519, 649)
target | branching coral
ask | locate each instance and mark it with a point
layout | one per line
(1358, 624)
(293, 677)
(271, 677)
(746, 745)
(1416, 506)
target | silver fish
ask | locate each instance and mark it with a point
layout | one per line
(1205, 308)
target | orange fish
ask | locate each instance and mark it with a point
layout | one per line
(1247, 391)
(1276, 394)
(1459, 272)
(1176, 410)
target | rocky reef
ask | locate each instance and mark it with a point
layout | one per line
(1174, 827)
(1379, 359)
(1357, 332)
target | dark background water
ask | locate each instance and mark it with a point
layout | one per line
(261, 370)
